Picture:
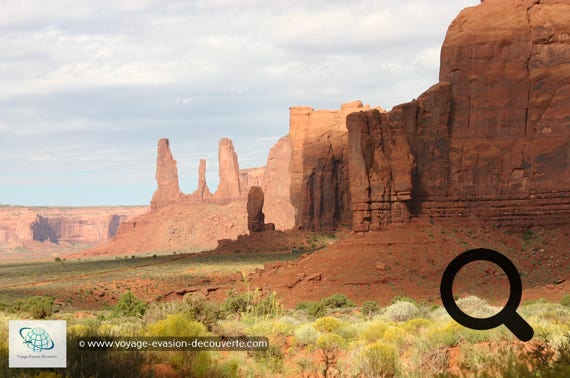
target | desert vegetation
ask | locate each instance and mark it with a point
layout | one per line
(340, 339)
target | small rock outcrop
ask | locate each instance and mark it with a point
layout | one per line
(229, 186)
(255, 216)
(168, 190)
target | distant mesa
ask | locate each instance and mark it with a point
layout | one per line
(65, 225)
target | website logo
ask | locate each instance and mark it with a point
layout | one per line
(37, 343)
(37, 339)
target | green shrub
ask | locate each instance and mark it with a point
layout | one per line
(253, 302)
(327, 324)
(236, 303)
(314, 309)
(370, 307)
(337, 301)
(272, 358)
(129, 305)
(204, 311)
(379, 360)
(565, 301)
(39, 307)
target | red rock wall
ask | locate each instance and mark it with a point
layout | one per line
(249, 178)
(491, 140)
(508, 65)
(319, 167)
(76, 225)
(276, 179)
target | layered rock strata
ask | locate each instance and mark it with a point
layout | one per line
(491, 140)
(69, 225)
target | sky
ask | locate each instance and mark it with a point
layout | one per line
(88, 87)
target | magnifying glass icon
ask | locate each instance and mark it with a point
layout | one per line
(508, 315)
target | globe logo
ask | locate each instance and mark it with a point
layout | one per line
(36, 339)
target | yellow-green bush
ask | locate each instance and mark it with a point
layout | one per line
(373, 331)
(379, 360)
(307, 335)
(327, 324)
(331, 341)
(176, 325)
(80, 330)
(230, 328)
(395, 336)
(414, 325)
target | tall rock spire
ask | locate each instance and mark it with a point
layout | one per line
(229, 187)
(166, 177)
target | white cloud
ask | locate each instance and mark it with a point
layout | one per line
(89, 86)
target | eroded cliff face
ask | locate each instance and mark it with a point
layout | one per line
(318, 169)
(491, 140)
(276, 180)
(76, 225)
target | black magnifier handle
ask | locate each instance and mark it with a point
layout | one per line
(519, 327)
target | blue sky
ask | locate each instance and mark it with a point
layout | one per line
(88, 87)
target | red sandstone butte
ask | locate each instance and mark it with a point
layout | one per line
(490, 140)
(168, 190)
(318, 168)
